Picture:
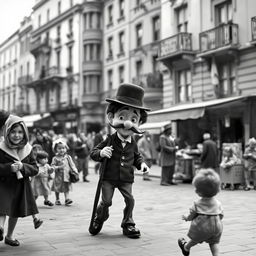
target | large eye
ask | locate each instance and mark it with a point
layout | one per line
(134, 120)
(121, 118)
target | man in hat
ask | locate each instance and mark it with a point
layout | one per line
(124, 113)
(167, 156)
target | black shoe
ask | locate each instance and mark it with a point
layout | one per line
(85, 180)
(165, 184)
(1, 234)
(131, 231)
(37, 223)
(147, 179)
(68, 202)
(95, 228)
(49, 203)
(173, 183)
(182, 242)
(11, 242)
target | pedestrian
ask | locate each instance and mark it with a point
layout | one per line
(40, 182)
(98, 138)
(44, 141)
(63, 164)
(168, 150)
(205, 214)
(125, 114)
(17, 166)
(209, 156)
(82, 152)
(145, 147)
(249, 157)
(229, 159)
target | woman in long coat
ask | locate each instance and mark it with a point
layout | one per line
(16, 197)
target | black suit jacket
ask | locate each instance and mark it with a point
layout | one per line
(120, 167)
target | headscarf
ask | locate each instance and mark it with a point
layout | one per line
(21, 150)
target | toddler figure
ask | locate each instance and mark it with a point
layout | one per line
(40, 183)
(206, 213)
(63, 164)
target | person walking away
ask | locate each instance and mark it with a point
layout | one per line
(167, 156)
(205, 214)
(145, 147)
(63, 164)
(249, 157)
(17, 166)
(99, 137)
(82, 151)
(209, 156)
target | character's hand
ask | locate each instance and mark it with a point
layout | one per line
(20, 165)
(14, 167)
(106, 152)
(184, 217)
(144, 168)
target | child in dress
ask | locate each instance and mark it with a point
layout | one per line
(17, 165)
(40, 183)
(205, 214)
(63, 164)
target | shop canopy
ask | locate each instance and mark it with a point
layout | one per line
(31, 119)
(191, 110)
(154, 128)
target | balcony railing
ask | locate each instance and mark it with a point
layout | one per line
(223, 35)
(25, 79)
(175, 44)
(150, 80)
(40, 44)
(253, 25)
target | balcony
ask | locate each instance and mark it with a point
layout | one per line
(92, 34)
(219, 39)
(253, 27)
(92, 65)
(149, 80)
(91, 98)
(40, 46)
(23, 80)
(176, 47)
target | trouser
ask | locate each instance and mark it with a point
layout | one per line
(108, 189)
(82, 165)
(167, 174)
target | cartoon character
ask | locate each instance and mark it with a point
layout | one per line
(125, 113)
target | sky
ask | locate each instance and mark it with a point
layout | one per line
(12, 13)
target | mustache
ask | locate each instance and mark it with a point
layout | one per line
(135, 130)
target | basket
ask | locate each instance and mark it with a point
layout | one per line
(232, 176)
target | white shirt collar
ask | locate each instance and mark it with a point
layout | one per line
(128, 139)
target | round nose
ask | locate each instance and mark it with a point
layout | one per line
(127, 124)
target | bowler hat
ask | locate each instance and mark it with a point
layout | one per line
(130, 95)
(167, 127)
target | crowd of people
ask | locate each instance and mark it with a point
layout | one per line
(39, 163)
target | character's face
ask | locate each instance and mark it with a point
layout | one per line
(125, 120)
(16, 134)
(61, 149)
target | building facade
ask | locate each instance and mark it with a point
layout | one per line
(9, 55)
(208, 48)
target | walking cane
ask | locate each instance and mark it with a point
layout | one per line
(97, 194)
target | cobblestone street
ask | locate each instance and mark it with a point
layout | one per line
(157, 214)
